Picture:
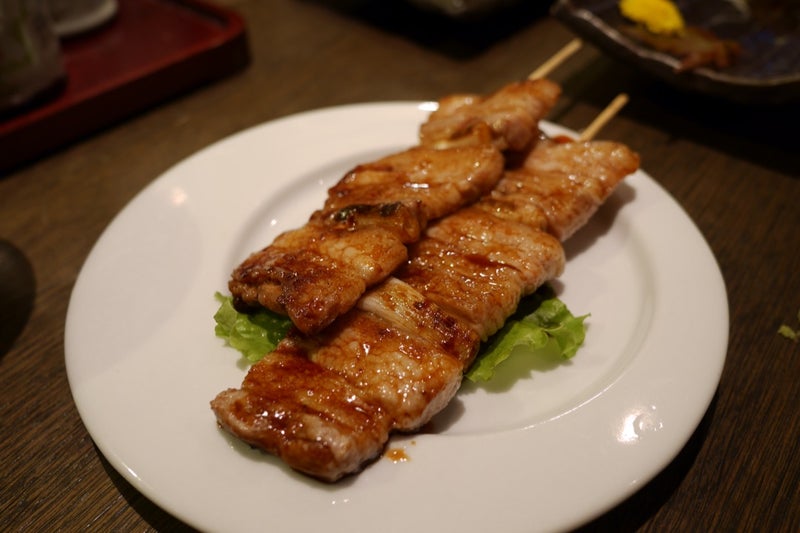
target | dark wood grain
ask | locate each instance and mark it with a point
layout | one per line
(734, 169)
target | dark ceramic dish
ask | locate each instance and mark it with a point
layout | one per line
(767, 71)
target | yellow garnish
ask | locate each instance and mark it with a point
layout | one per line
(789, 333)
(658, 16)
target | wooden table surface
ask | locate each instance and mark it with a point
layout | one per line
(735, 170)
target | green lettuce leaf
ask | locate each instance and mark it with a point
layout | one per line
(542, 324)
(255, 334)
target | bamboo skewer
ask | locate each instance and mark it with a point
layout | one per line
(556, 59)
(604, 117)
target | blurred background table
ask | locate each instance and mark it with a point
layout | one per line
(735, 169)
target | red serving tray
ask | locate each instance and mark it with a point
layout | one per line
(150, 51)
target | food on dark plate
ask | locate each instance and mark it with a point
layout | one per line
(376, 210)
(660, 25)
(327, 403)
(695, 47)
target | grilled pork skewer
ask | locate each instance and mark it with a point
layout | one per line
(376, 210)
(327, 403)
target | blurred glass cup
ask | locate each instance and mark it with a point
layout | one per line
(76, 16)
(30, 54)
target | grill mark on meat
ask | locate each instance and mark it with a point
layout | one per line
(592, 170)
(321, 430)
(406, 374)
(399, 356)
(360, 235)
(385, 205)
(517, 245)
(403, 306)
(437, 180)
(344, 250)
(508, 118)
(388, 368)
(483, 292)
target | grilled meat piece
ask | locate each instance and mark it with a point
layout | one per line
(311, 417)
(327, 403)
(508, 118)
(477, 266)
(404, 354)
(398, 357)
(564, 205)
(347, 250)
(438, 181)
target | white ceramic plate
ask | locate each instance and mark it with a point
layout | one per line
(543, 446)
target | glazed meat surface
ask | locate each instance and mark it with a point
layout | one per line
(327, 403)
(480, 276)
(563, 206)
(479, 262)
(508, 118)
(438, 181)
(311, 417)
(376, 210)
(398, 357)
(402, 351)
(360, 235)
